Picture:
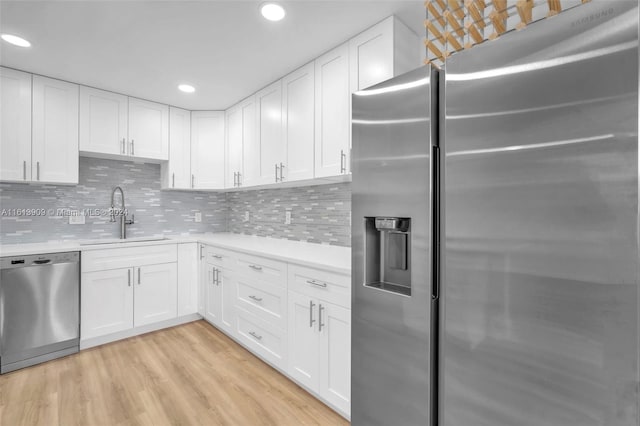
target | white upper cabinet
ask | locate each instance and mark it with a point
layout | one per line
(54, 155)
(385, 50)
(176, 173)
(207, 150)
(250, 144)
(148, 130)
(15, 125)
(333, 112)
(103, 122)
(298, 109)
(233, 118)
(270, 141)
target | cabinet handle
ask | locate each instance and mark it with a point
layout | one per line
(234, 179)
(24, 170)
(343, 158)
(255, 267)
(217, 276)
(173, 180)
(123, 146)
(38, 170)
(311, 320)
(276, 171)
(193, 181)
(281, 169)
(139, 275)
(257, 299)
(316, 283)
(201, 248)
(320, 324)
(257, 336)
(216, 256)
(129, 277)
(132, 147)
(239, 179)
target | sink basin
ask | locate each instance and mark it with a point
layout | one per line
(125, 241)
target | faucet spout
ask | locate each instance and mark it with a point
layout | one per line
(122, 212)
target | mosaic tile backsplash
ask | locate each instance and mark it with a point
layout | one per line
(320, 214)
(156, 212)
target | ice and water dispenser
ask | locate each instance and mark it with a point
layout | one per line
(388, 254)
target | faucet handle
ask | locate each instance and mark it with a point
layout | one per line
(130, 221)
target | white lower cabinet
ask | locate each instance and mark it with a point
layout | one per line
(134, 292)
(106, 302)
(219, 291)
(304, 352)
(188, 278)
(155, 297)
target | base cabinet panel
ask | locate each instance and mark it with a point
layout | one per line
(335, 355)
(155, 293)
(304, 350)
(188, 278)
(106, 302)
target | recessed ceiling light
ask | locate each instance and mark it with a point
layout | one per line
(187, 88)
(15, 40)
(272, 11)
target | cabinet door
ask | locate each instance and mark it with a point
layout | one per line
(304, 340)
(233, 118)
(188, 278)
(148, 129)
(371, 55)
(207, 149)
(103, 122)
(227, 282)
(177, 172)
(250, 144)
(335, 354)
(269, 127)
(298, 118)
(15, 130)
(155, 293)
(213, 307)
(55, 152)
(203, 281)
(106, 302)
(333, 112)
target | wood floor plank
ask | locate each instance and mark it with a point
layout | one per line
(187, 375)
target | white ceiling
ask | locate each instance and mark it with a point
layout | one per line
(146, 48)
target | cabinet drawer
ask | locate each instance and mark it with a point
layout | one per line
(264, 339)
(316, 283)
(262, 269)
(219, 257)
(102, 260)
(266, 301)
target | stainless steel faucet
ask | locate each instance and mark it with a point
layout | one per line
(122, 213)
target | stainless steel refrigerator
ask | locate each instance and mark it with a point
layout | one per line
(534, 319)
(541, 243)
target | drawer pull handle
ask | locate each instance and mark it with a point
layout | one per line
(216, 256)
(256, 267)
(257, 299)
(317, 283)
(257, 336)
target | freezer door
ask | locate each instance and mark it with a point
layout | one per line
(541, 197)
(391, 249)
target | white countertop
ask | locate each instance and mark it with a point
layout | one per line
(335, 258)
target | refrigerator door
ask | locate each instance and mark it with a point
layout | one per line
(541, 198)
(391, 249)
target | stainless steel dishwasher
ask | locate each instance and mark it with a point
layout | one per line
(39, 308)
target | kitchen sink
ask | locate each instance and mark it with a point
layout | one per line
(122, 241)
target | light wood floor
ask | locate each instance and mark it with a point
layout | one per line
(187, 375)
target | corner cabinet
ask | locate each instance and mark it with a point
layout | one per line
(54, 143)
(207, 149)
(15, 131)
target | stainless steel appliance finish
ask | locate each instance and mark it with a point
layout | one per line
(39, 308)
(541, 199)
(393, 133)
